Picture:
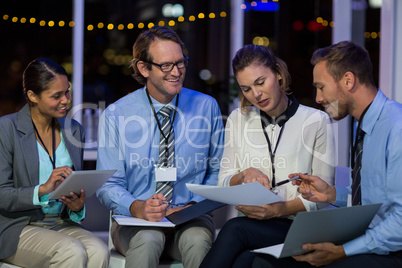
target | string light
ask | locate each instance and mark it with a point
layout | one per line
(141, 25)
(112, 26)
(367, 35)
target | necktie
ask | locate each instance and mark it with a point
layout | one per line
(356, 192)
(166, 152)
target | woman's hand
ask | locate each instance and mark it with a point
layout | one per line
(58, 176)
(263, 212)
(250, 175)
(74, 203)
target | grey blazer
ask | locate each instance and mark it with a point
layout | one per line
(19, 172)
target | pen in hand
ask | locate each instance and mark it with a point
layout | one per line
(288, 180)
(170, 204)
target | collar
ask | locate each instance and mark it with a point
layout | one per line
(373, 113)
(285, 116)
(157, 105)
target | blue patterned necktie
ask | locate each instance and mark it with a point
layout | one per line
(356, 190)
(166, 152)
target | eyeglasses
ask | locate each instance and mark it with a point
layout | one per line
(168, 67)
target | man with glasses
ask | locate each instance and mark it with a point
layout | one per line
(159, 138)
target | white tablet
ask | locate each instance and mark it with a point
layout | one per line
(89, 180)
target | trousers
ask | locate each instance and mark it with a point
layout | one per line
(61, 245)
(239, 236)
(143, 246)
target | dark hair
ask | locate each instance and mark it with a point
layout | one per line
(39, 74)
(345, 57)
(141, 47)
(260, 55)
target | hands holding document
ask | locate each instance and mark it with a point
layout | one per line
(315, 189)
(323, 254)
(266, 211)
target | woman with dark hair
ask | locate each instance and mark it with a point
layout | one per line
(39, 148)
(268, 139)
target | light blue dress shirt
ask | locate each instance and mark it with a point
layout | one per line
(129, 142)
(380, 178)
(45, 170)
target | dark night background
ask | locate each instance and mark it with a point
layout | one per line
(293, 34)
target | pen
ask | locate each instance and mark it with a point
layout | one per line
(170, 204)
(288, 180)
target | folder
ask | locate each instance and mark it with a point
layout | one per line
(338, 225)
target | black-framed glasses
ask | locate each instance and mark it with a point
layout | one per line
(168, 67)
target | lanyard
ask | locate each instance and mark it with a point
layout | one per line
(156, 118)
(272, 153)
(53, 160)
(358, 130)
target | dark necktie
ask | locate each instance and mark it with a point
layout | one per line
(356, 190)
(166, 152)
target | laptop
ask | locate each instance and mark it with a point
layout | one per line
(337, 225)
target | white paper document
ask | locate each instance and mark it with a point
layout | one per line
(337, 225)
(131, 221)
(251, 194)
(274, 250)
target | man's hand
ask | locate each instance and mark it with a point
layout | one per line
(74, 203)
(250, 175)
(323, 254)
(315, 189)
(153, 209)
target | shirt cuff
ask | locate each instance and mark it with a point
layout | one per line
(36, 201)
(310, 206)
(226, 181)
(77, 216)
(341, 197)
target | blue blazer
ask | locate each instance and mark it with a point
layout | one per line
(19, 172)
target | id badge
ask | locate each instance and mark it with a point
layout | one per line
(165, 174)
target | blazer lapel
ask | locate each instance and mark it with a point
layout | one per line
(71, 136)
(28, 144)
